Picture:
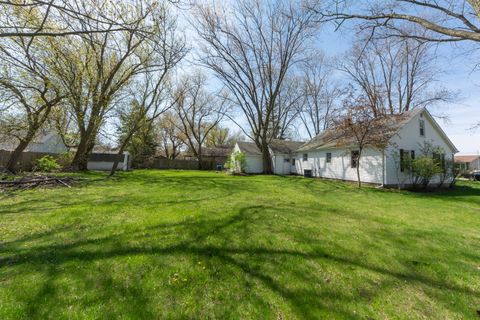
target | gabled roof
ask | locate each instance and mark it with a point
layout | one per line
(277, 146)
(385, 128)
(466, 158)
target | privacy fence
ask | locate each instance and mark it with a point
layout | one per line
(96, 161)
(162, 163)
(26, 161)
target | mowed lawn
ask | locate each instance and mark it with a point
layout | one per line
(204, 245)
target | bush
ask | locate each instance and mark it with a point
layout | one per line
(424, 169)
(47, 164)
(65, 159)
(237, 162)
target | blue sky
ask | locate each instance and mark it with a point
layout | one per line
(458, 63)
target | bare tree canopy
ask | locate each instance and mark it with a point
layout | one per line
(251, 48)
(320, 94)
(395, 75)
(448, 20)
(198, 111)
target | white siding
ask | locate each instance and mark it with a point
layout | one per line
(408, 138)
(280, 166)
(371, 164)
(254, 162)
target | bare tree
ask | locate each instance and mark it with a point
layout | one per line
(448, 20)
(171, 138)
(199, 112)
(320, 95)
(27, 89)
(395, 75)
(251, 48)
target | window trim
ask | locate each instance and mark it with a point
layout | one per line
(421, 125)
(305, 157)
(328, 157)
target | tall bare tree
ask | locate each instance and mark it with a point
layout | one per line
(199, 112)
(320, 95)
(170, 137)
(251, 47)
(396, 75)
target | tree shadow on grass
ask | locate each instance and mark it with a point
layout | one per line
(227, 241)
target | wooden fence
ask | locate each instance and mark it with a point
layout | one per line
(162, 163)
(26, 160)
(96, 161)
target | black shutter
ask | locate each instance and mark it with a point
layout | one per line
(402, 160)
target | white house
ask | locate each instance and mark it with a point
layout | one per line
(46, 142)
(324, 156)
(281, 152)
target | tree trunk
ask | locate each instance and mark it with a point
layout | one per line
(80, 160)
(267, 159)
(12, 161)
(358, 174)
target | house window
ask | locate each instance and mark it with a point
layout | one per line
(329, 157)
(305, 156)
(355, 156)
(293, 161)
(422, 128)
(286, 160)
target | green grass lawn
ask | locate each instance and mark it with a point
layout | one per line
(202, 245)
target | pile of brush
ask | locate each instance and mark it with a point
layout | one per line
(35, 181)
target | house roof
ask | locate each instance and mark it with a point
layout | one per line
(277, 146)
(385, 128)
(466, 158)
(249, 148)
(9, 143)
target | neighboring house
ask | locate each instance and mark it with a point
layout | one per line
(468, 162)
(328, 157)
(45, 142)
(281, 152)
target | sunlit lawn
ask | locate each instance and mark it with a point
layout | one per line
(198, 245)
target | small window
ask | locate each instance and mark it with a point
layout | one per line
(286, 159)
(293, 161)
(329, 157)
(422, 128)
(354, 158)
(305, 156)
